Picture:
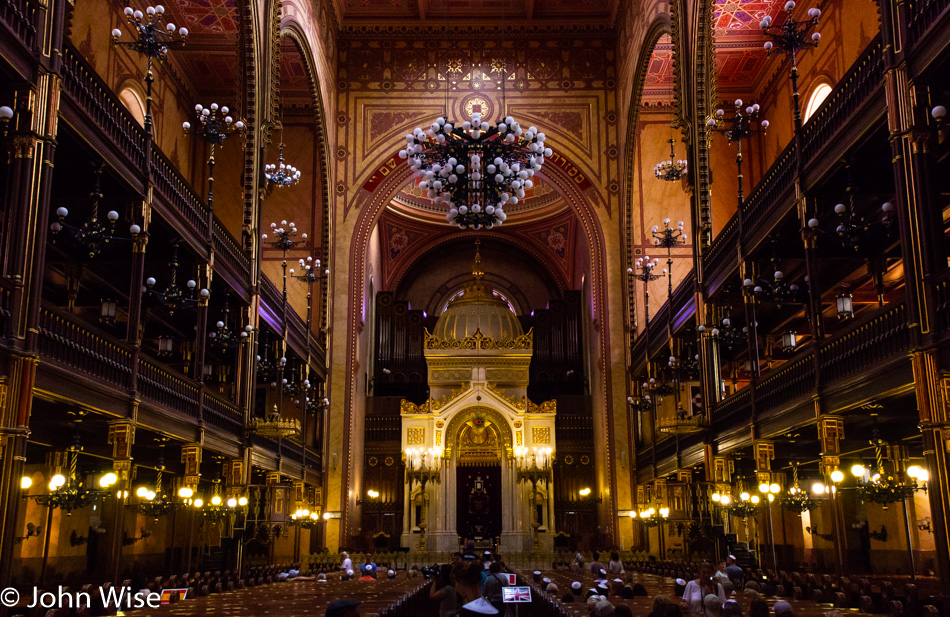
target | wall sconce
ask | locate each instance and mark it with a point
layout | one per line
(143, 534)
(6, 114)
(845, 305)
(107, 311)
(584, 492)
(789, 341)
(166, 346)
(33, 531)
(880, 536)
(77, 540)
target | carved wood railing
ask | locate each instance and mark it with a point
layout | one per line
(176, 191)
(168, 389)
(921, 15)
(789, 382)
(771, 198)
(734, 407)
(20, 17)
(90, 94)
(229, 250)
(223, 414)
(870, 343)
(91, 355)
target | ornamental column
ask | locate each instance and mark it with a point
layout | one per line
(121, 437)
(830, 434)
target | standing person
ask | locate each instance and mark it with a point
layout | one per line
(347, 562)
(734, 572)
(596, 566)
(468, 577)
(723, 577)
(492, 590)
(696, 590)
(614, 566)
(443, 592)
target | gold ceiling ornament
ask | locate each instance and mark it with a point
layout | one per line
(681, 424)
(274, 426)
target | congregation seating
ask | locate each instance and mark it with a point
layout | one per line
(223, 592)
(811, 595)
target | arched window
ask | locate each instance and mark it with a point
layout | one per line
(134, 101)
(818, 96)
(494, 292)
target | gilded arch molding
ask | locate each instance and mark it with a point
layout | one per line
(453, 431)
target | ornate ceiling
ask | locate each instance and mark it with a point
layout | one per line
(552, 241)
(599, 11)
(540, 201)
(210, 58)
(740, 58)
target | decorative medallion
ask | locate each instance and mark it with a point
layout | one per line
(585, 460)
(373, 461)
(568, 460)
(389, 461)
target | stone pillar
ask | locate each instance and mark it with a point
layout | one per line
(32, 146)
(935, 427)
(830, 434)
(121, 437)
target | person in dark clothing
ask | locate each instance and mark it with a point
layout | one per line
(660, 603)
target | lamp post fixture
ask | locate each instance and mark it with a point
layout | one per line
(94, 234)
(284, 239)
(671, 170)
(645, 266)
(280, 174)
(667, 238)
(770, 490)
(223, 337)
(790, 38)
(736, 129)
(173, 297)
(214, 126)
(153, 41)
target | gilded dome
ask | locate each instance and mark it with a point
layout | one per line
(477, 310)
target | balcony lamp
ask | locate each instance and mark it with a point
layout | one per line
(845, 305)
(789, 341)
(107, 311)
(858, 470)
(837, 476)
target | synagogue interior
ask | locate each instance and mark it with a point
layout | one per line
(286, 279)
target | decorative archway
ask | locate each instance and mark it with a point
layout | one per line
(370, 204)
(470, 418)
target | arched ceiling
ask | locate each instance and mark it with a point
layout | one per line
(540, 202)
(551, 242)
(591, 11)
(512, 267)
(209, 59)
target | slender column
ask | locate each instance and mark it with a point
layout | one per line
(201, 341)
(935, 427)
(831, 432)
(133, 333)
(121, 437)
(33, 147)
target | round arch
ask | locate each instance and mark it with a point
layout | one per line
(453, 431)
(370, 206)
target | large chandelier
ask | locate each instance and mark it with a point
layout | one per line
(274, 426)
(476, 169)
(671, 170)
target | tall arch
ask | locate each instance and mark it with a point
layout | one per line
(368, 206)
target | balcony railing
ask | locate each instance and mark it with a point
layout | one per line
(772, 197)
(178, 194)
(869, 344)
(79, 351)
(881, 338)
(923, 14)
(102, 108)
(71, 345)
(229, 250)
(20, 17)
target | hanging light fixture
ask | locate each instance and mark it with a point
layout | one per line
(93, 234)
(475, 169)
(671, 170)
(107, 311)
(155, 502)
(280, 174)
(789, 341)
(223, 338)
(845, 304)
(153, 41)
(174, 297)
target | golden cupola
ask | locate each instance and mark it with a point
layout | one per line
(477, 310)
